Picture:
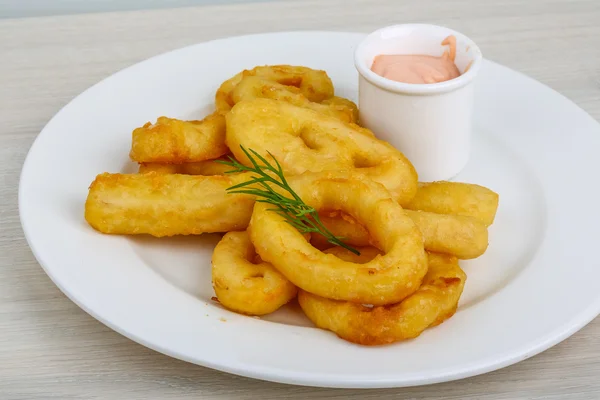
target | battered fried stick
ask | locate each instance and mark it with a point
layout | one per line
(457, 199)
(174, 141)
(166, 205)
(206, 168)
(460, 236)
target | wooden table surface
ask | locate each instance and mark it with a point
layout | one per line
(49, 348)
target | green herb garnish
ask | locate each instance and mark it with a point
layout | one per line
(295, 211)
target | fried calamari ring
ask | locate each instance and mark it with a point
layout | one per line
(386, 279)
(206, 168)
(343, 104)
(245, 284)
(367, 253)
(314, 84)
(435, 301)
(167, 204)
(303, 140)
(254, 87)
(457, 199)
(173, 141)
(456, 235)
(342, 225)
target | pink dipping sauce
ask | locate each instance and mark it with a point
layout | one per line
(418, 68)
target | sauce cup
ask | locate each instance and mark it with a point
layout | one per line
(430, 123)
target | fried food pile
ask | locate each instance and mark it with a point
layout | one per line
(373, 256)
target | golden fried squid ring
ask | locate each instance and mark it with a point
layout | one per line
(463, 237)
(367, 253)
(254, 87)
(342, 225)
(206, 168)
(245, 284)
(174, 141)
(457, 199)
(313, 84)
(435, 301)
(304, 140)
(341, 103)
(167, 204)
(386, 279)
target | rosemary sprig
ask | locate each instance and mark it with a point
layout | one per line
(295, 211)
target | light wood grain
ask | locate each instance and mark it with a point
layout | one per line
(49, 348)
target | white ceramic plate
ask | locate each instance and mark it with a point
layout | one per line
(536, 285)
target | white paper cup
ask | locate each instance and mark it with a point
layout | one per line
(429, 123)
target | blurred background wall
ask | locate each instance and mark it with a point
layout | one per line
(39, 8)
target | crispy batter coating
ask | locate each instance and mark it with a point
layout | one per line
(456, 235)
(159, 168)
(114, 196)
(254, 87)
(343, 225)
(304, 140)
(456, 198)
(410, 235)
(313, 84)
(460, 236)
(174, 141)
(386, 279)
(166, 204)
(435, 301)
(243, 282)
(206, 168)
(367, 253)
(343, 104)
